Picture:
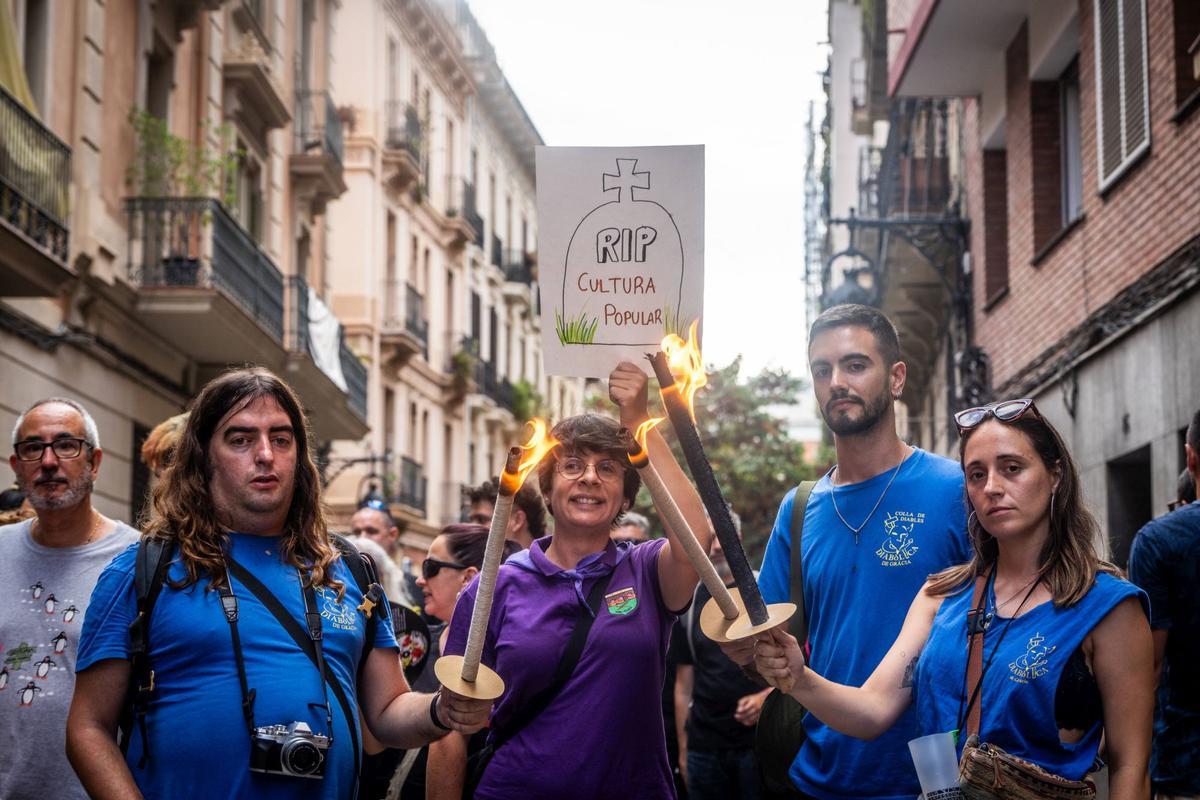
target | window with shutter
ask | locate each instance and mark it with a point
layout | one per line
(1122, 97)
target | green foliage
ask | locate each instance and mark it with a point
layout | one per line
(165, 165)
(751, 450)
(526, 402)
(462, 365)
(579, 330)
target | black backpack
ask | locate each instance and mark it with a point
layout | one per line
(154, 557)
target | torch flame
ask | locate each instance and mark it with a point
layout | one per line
(540, 443)
(644, 430)
(684, 360)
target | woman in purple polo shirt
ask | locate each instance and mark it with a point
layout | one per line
(601, 735)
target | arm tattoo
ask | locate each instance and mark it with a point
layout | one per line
(907, 681)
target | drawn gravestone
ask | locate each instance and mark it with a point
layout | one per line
(621, 252)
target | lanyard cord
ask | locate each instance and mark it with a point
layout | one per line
(985, 622)
(229, 605)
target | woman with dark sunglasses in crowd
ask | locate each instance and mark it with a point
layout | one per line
(1066, 654)
(453, 560)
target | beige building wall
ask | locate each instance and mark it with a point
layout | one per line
(432, 178)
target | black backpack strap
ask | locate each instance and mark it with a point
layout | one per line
(304, 641)
(566, 665)
(798, 626)
(362, 567)
(149, 574)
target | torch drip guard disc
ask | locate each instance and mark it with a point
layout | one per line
(713, 622)
(486, 686)
(743, 628)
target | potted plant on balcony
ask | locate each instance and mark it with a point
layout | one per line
(462, 368)
(165, 167)
(526, 402)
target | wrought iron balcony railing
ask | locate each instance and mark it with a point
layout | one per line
(35, 173)
(414, 315)
(497, 251)
(318, 126)
(497, 388)
(194, 242)
(355, 373)
(413, 484)
(404, 128)
(518, 267)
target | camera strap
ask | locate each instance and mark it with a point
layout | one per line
(312, 619)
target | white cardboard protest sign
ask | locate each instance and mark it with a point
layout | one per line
(620, 252)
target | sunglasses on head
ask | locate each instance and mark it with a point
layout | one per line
(1004, 411)
(430, 567)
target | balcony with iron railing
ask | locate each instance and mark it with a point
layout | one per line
(355, 373)
(403, 144)
(205, 287)
(490, 385)
(193, 263)
(497, 252)
(518, 267)
(412, 486)
(35, 177)
(461, 214)
(405, 329)
(316, 162)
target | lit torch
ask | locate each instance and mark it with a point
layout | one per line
(464, 674)
(680, 373)
(714, 625)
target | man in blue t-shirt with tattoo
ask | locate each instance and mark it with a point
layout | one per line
(881, 521)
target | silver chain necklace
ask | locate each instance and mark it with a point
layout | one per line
(874, 508)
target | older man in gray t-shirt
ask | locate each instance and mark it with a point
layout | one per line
(48, 568)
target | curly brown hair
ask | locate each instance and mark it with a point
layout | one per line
(589, 433)
(182, 508)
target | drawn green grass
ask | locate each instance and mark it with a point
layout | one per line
(579, 330)
(671, 323)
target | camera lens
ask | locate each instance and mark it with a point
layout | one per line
(300, 757)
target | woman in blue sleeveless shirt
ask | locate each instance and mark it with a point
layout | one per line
(1067, 655)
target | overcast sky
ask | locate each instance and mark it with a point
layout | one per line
(737, 78)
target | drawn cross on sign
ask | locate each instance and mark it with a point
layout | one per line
(626, 177)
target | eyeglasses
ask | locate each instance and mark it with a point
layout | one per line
(430, 567)
(66, 447)
(1005, 411)
(575, 468)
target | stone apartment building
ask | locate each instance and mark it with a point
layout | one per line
(433, 258)
(187, 185)
(1060, 240)
(126, 282)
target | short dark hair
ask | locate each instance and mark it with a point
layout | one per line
(467, 543)
(872, 319)
(589, 433)
(1193, 433)
(11, 499)
(529, 500)
(1185, 491)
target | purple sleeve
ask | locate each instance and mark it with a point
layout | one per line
(644, 559)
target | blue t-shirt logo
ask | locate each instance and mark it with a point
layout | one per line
(339, 615)
(1032, 663)
(898, 547)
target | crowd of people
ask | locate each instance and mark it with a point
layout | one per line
(233, 645)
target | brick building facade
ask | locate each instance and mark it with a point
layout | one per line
(1075, 175)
